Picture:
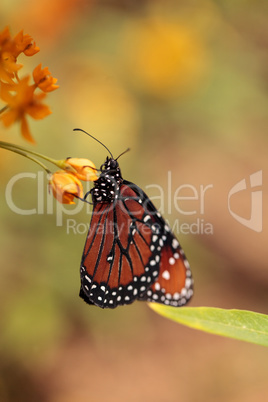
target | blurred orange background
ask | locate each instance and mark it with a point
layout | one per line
(184, 84)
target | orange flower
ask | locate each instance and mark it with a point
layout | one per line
(10, 49)
(8, 64)
(24, 44)
(85, 169)
(22, 100)
(43, 79)
(65, 187)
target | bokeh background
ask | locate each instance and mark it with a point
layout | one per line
(184, 84)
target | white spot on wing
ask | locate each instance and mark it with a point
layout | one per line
(186, 263)
(175, 243)
(143, 278)
(146, 218)
(166, 275)
(188, 283)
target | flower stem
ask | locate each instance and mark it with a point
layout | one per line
(20, 152)
(18, 147)
(3, 109)
(60, 164)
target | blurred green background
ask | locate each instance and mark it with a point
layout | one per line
(184, 84)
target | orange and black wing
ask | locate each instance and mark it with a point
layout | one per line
(131, 254)
(122, 252)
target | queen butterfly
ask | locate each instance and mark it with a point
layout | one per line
(130, 252)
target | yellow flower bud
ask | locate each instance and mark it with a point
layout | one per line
(65, 186)
(85, 169)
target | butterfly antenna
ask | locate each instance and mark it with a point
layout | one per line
(83, 131)
(123, 153)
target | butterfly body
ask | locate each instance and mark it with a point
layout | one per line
(130, 252)
(106, 188)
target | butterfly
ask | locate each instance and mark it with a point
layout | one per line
(130, 251)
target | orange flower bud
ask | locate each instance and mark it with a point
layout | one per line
(85, 169)
(65, 186)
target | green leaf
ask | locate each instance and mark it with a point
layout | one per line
(238, 324)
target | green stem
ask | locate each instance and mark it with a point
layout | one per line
(59, 163)
(13, 146)
(20, 152)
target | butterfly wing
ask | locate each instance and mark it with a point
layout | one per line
(121, 258)
(131, 253)
(174, 284)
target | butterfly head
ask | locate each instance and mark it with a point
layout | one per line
(110, 169)
(110, 165)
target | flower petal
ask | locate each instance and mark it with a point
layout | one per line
(9, 117)
(4, 36)
(31, 49)
(25, 131)
(38, 111)
(4, 92)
